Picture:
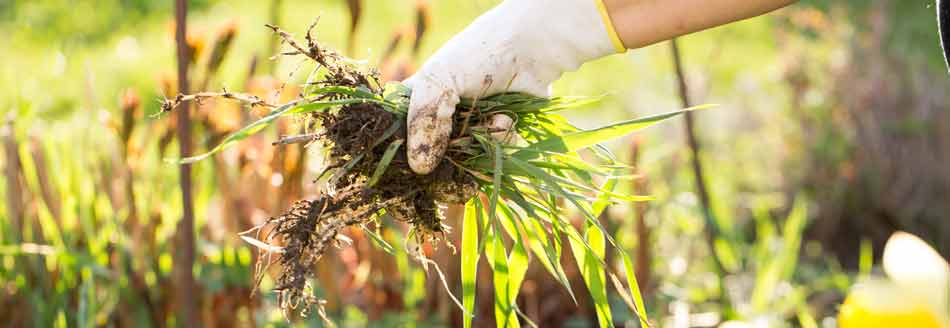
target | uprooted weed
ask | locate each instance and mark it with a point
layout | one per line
(361, 125)
(357, 137)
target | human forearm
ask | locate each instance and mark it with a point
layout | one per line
(641, 23)
(524, 45)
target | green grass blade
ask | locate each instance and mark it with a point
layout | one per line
(391, 100)
(384, 162)
(557, 190)
(549, 254)
(583, 139)
(865, 258)
(562, 103)
(508, 220)
(488, 245)
(638, 306)
(469, 258)
(359, 93)
(579, 245)
(509, 269)
(781, 266)
(792, 232)
(267, 120)
(504, 311)
(395, 92)
(517, 265)
(379, 241)
(523, 103)
(346, 167)
(496, 181)
(576, 186)
(500, 274)
(805, 318)
(635, 290)
(588, 262)
(517, 268)
(594, 274)
(604, 199)
(577, 163)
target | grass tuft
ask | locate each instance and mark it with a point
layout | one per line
(359, 121)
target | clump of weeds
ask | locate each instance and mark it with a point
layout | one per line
(524, 169)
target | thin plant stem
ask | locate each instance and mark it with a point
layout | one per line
(186, 295)
(711, 229)
(12, 170)
(640, 186)
(275, 9)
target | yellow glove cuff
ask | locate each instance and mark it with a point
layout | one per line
(611, 31)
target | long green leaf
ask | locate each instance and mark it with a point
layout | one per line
(379, 241)
(583, 139)
(782, 265)
(499, 259)
(517, 268)
(384, 162)
(560, 192)
(359, 93)
(496, 181)
(549, 254)
(603, 200)
(503, 307)
(865, 257)
(634, 286)
(588, 261)
(257, 126)
(469, 258)
(635, 290)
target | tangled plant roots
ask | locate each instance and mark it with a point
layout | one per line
(362, 127)
(357, 138)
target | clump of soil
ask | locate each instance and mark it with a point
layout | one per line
(356, 138)
(357, 131)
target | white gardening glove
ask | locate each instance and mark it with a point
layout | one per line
(518, 46)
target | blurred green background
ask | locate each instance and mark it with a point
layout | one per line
(833, 131)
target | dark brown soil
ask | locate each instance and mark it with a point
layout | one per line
(358, 132)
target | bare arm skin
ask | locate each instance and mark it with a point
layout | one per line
(524, 45)
(640, 23)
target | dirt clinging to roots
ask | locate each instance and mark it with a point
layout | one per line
(356, 138)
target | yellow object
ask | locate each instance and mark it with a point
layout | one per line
(914, 295)
(881, 304)
(611, 31)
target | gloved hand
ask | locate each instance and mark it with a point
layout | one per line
(518, 46)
